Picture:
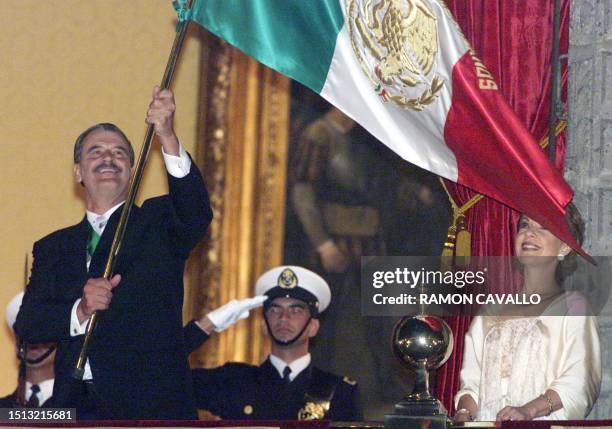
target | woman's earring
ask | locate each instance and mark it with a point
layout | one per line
(560, 257)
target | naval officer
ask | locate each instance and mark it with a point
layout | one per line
(286, 386)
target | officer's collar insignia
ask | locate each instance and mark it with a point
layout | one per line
(313, 410)
(287, 279)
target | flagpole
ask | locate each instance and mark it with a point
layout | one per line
(554, 82)
(181, 30)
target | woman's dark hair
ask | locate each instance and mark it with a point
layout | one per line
(576, 225)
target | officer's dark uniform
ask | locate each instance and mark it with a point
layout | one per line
(9, 401)
(241, 391)
(12, 400)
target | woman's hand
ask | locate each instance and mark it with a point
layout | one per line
(466, 409)
(462, 415)
(514, 413)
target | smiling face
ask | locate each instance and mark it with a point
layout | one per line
(104, 168)
(536, 244)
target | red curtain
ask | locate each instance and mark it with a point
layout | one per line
(514, 40)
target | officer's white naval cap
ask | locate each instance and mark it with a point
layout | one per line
(291, 281)
(12, 309)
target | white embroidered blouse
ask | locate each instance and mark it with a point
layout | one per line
(511, 361)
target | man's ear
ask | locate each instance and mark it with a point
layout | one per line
(77, 173)
(313, 327)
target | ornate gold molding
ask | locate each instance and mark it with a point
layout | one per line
(243, 154)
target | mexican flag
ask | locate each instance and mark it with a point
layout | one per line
(403, 70)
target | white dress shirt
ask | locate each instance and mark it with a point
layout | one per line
(296, 366)
(177, 166)
(46, 391)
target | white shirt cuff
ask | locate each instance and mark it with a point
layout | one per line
(177, 166)
(77, 328)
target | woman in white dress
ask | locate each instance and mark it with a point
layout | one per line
(518, 367)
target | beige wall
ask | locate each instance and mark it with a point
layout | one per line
(67, 64)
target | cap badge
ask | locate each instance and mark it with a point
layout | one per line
(287, 279)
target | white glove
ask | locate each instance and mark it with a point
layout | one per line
(235, 310)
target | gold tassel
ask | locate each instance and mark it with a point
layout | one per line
(463, 243)
(458, 246)
(448, 252)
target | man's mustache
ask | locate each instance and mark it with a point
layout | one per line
(106, 166)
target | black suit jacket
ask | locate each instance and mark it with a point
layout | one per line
(241, 391)
(10, 401)
(136, 353)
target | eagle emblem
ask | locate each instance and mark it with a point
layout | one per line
(396, 44)
(287, 279)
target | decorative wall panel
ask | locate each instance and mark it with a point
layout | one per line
(243, 151)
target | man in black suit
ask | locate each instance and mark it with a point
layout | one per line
(36, 377)
(137, 366)
(286, 386)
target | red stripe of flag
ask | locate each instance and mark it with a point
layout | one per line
(497, 156)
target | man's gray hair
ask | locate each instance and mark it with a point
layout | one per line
(104, 126)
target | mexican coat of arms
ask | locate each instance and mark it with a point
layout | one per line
(396, 44)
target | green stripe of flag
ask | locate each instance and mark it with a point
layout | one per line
(294, 37)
